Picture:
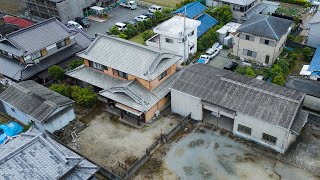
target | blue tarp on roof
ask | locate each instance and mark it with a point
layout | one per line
(3, 137)
(193, 9)
(206, 23)
(315, 63)
(201, 61)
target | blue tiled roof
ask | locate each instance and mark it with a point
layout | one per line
(193, 9)
(206, 23)
(315, 63)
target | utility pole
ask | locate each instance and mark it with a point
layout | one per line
(184, 33)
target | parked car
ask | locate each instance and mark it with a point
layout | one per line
(231, 66)
(149, 15)
(155, 8)
(210, 53)
(141, 18)
(84, 22)
(132, 22)
(130, 5)
(74, 24)
(121, 26)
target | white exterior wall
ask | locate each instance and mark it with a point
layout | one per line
(23, 118)
(313, 36)
(177, 46)
(185, 104)
(258, 127)
(261, 49)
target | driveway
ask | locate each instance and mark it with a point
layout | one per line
(115, 15)
(221, 59)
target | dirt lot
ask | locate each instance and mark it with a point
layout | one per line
(208, 155)
(107, 141)
(10, 6)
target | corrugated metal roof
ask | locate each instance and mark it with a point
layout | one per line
(315, 18)
(207, 22)
(34, 155)
(34, 99)
(315, 62)
(22, 23)
(239, 2)
(39, 36)
(129, 57)
(266, 26)
(268, 102)
(193, 9)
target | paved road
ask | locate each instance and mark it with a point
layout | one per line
(116, 15)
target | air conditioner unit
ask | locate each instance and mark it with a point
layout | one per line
(157, 113)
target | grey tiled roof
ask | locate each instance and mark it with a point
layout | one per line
(12, 68)
(8, 47)
(33, 155)
(266, 26)
(39, 36)
(129, 57)
(129, 93)
(264, 101)
(34, 99)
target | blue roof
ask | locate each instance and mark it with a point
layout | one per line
(193, 9)
(206, 23)
(315, 63)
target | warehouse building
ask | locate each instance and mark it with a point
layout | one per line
(267, 114)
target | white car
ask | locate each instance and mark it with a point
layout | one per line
(155, 8)
(141, 18)
(130, 5)
(121, 26)
(74, 24)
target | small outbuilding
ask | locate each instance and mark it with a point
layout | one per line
(261, 112)
(30, 102)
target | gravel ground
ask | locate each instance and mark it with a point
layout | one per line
(206, 155)
(107, 141)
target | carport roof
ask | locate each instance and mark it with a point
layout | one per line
(252, 97)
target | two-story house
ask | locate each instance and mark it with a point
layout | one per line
(261, 38)
(177, 35)
(27, 52)
(242, 10)
(133, 79)
(196, 10)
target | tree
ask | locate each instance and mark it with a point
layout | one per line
(62, 89)
(147, 23)
(123, 36)
(223, 14)
(114, 30)
(141, 27)
(307, 53)
(75, 63)
(250, 73)
(56, 72)
(276, 71)
(284, 65)
(147, 35)
(279, 80)
(130, 31)
(241, 70)
(83, 96)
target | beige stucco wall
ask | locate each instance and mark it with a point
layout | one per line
(258, 127)
(261, 49)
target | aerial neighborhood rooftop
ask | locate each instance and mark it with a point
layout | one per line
(150, 89)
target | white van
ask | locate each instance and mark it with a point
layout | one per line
(74, 24)
(121, 26)
(155, 8)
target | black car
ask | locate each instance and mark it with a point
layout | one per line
(231, 66)
(83, 22)
(149, 15)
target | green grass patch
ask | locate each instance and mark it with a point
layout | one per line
(138, 39)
